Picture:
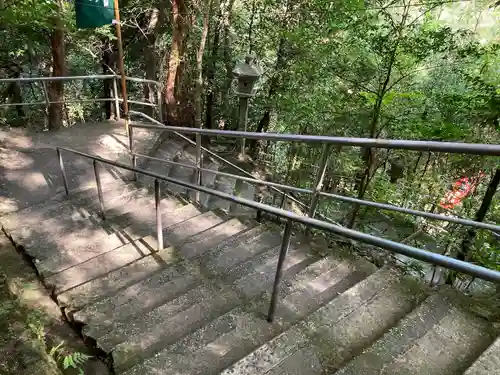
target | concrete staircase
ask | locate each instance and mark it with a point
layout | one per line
(198, 306)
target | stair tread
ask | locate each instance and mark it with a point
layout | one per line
(107, 285)
(258, 273)
(228, 255)
(401, 337)
(488, 363)
(211, 348)
(200, 243)
(232, 336)
(62, 203)
(137, 299)
(100, 265)
(449, 348)
(334, 332)
(63, 258)
(316, 285)
(179, 233)
(136, 339)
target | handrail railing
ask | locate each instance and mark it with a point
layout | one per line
(160, 126)
(494, 150)
(116, 99)
(392, 246)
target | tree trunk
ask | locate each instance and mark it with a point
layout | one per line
(228, 63)
(199, 64)
(179, 32)
(263, 125)
(107, 64)
(209, 117)
(56, 88)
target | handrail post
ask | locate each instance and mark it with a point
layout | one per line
(99, 189)
(159, 226)
(159, 104)
(47, 102)
(133, 158)
(117, 100)
(285, 244)
(63, 171)
(319, 179)
(199, 161)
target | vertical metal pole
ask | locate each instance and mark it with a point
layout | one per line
(285, 243)
(319, 179)
(198, 166)
(131, 140)
(117, 100)
(134, 164)
(47, 101)
(131, 150)
(121, 64)
(243, 120)
(63, 171)
(159, 104)
(99, 189)
(159, 226)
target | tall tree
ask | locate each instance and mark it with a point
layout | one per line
(56, 88)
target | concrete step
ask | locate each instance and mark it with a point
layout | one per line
(225, 257)
(449, 346)
(208, 180)
(342, 328)
(182, 173)
(109, 284)
(98, 266)
(315, 286)
(226, 185)
(134, 340)
(40, 241)
(230, 337)
(65, 255)
(395, 343)
(60, 205)
(257, 275)
(179, 233)
(199, 244)
(138, 299)
(210, 349)
(488, 363)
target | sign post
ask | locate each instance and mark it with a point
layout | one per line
(97, 13)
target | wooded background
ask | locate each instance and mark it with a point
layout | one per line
(411, 69)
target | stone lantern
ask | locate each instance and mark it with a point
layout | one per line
(246, 76)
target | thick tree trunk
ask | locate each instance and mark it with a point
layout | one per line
(263, 125)
(199, 64)
(107, 64)
(209, 117)
(56, 88)
(228, 63)
(179, 32)
(152, 30)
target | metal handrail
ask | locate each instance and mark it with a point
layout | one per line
(76, 78)
(116, 99)
(448, 147)
(392, 246)
(343, 198)
(160, 126)
(339, 140)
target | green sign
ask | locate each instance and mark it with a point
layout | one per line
(94, 13)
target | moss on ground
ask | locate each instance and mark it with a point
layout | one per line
(22, 347)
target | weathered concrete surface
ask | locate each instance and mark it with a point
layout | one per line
(488, 363)
(29, 171)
